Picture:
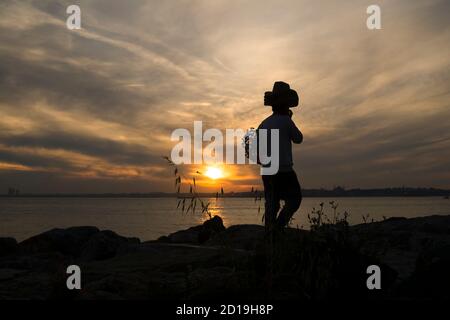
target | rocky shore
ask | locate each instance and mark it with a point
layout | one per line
(213, 262)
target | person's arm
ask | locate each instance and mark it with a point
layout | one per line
(296, 135)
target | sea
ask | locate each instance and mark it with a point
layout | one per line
(150, 218)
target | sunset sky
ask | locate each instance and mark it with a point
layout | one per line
(92, 110)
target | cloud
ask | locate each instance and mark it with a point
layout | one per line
(100, 103)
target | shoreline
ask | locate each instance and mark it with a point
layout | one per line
(205, 196)
(337, 192)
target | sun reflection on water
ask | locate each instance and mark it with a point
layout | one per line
(216, 208)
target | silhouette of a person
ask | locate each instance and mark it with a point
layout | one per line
(284, 184)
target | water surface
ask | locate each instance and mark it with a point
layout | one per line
(149, 218)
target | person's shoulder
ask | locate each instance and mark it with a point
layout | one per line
(266, 121)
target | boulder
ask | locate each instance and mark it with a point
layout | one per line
(7, 274)
(245, 236)
(431, 277)
(210, 227)
(198, 234)
(8, 246)
(400, 242)
(189, 235)
(106, 244)
(68, 241)
(217, 282)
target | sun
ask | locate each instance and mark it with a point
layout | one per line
(214, 173)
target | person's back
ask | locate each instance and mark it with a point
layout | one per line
(284, 184)
(288, 133)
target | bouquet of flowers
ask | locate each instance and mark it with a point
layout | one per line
(250, 143)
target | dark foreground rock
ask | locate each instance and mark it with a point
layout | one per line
(8, 246)
(418, 249)
(68, 241)
(86, 243)
(209, 261)
(198, 234)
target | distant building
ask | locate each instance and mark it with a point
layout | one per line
(13, 192)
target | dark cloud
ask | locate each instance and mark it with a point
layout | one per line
(34, 160)
(373, 102)
(112, 151)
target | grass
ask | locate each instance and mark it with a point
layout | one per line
(194, 200)
(313, 265)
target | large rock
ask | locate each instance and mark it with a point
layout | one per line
(89, 243)
(189, 235)
(68, 241)
(106, 244)
(198, 234)
(244, 236)
(210, 228)
(400, 242)
(431, 277)
(8, 246)
(6, 274)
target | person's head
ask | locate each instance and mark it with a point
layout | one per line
(281, 98)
